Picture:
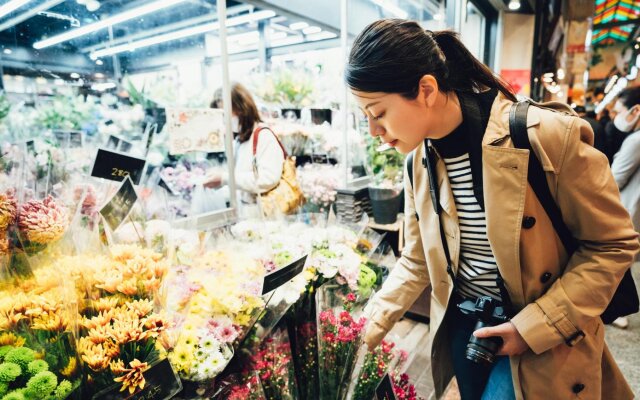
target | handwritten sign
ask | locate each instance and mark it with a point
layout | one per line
(161, 383)
(117, 166)
(278, 278)
(384, 391)
(120, 205)
(195, 129)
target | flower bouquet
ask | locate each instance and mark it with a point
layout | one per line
(38, 357)
(213, 303)
(240, 387)
(319, 183)
(403, 388)
(339, 337)
(274, 366)
(120, 330)
(372, 366)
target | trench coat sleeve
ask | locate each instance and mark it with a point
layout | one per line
(626, 161)
(590, 203)
(405, 283)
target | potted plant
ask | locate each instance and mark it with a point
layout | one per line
(385, 192)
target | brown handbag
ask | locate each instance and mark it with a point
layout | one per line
(287, 196)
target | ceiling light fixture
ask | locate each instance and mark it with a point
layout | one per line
(93, 5)
(99, 62)
(11, 6)
(514, 5)
(392, 8)
(311, 30)
(74, 75)
(181, 34)
(105, 23)
(7, 51)
(296, 26)
(438, 17)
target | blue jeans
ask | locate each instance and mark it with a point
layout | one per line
(476, 381)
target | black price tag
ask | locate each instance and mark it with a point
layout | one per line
(320, 158)
(169, 188)
(278, 278)
(161, 383)
(117, 166)
(384, 391)
(120, 205)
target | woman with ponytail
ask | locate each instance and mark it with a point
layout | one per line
(474, 228)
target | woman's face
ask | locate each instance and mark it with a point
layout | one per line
(405, 123)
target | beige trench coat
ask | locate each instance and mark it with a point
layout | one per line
(557, 297)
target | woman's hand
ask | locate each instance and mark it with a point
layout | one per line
(512, 342)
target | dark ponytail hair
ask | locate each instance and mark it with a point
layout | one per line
(392, 55)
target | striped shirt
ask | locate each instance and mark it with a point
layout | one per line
(477, 270)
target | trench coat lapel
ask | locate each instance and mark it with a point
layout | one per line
(504, 170)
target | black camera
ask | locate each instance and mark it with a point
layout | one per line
(489, 312)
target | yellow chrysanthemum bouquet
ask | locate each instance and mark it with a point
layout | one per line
(38, 320)
(121, 329)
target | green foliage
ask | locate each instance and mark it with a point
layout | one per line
(63, 390)
(4, 388)
(138, 96)
(5, 106)
(9, 372)
(15, 395)
(21, 356)
(386, 165)
(41, 385)
(4, 350)
(287, 87)
(64, 113)
(37, 366)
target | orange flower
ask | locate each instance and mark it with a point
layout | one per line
(52, 322)
(128, 287)
(155, 324)
(140, 307)
(105, 304)
(96, 358)
(103, 318)
(99, 334)
(133, 378)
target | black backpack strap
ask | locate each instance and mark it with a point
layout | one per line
(536, 174)
(410, 168)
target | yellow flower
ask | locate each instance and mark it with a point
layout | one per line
(71, 368)
(141, 307)
(103, 318)
(10, 339)
(105, 304)
(133, 378)
(99, 334)
(128, 287)
(96, 358)
(52, 322)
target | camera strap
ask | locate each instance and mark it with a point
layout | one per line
(429, 162)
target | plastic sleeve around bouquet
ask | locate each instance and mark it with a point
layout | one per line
(340, 330)
(274, 365)
(372, 366)
(122, 325)
(239, 387)
(38, 321)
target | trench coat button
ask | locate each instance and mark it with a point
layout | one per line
(528, 222)
(544, 278)
(577, 388)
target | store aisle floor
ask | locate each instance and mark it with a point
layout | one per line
(413, 336)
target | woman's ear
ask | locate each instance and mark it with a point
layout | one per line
(428, 90)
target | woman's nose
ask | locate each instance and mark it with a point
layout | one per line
(375, 130)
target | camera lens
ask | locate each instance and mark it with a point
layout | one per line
(482, 350)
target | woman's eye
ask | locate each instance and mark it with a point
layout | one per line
(375, 118)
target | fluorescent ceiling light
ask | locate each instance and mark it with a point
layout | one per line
(296, 26)
(11, 6)
(181, 34)
(392, 8)
(28, 14)
(278, 35)
(7, 51)
(105, 23)
(101, 87)
(311, 30)
(321, 36)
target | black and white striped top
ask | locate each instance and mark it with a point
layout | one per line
(477, 270)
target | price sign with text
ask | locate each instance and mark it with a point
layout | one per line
(278, 278)
(120, 205)
(195, 129)
(117, 166)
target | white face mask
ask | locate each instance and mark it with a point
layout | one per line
(622, 121)
(235, 124)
